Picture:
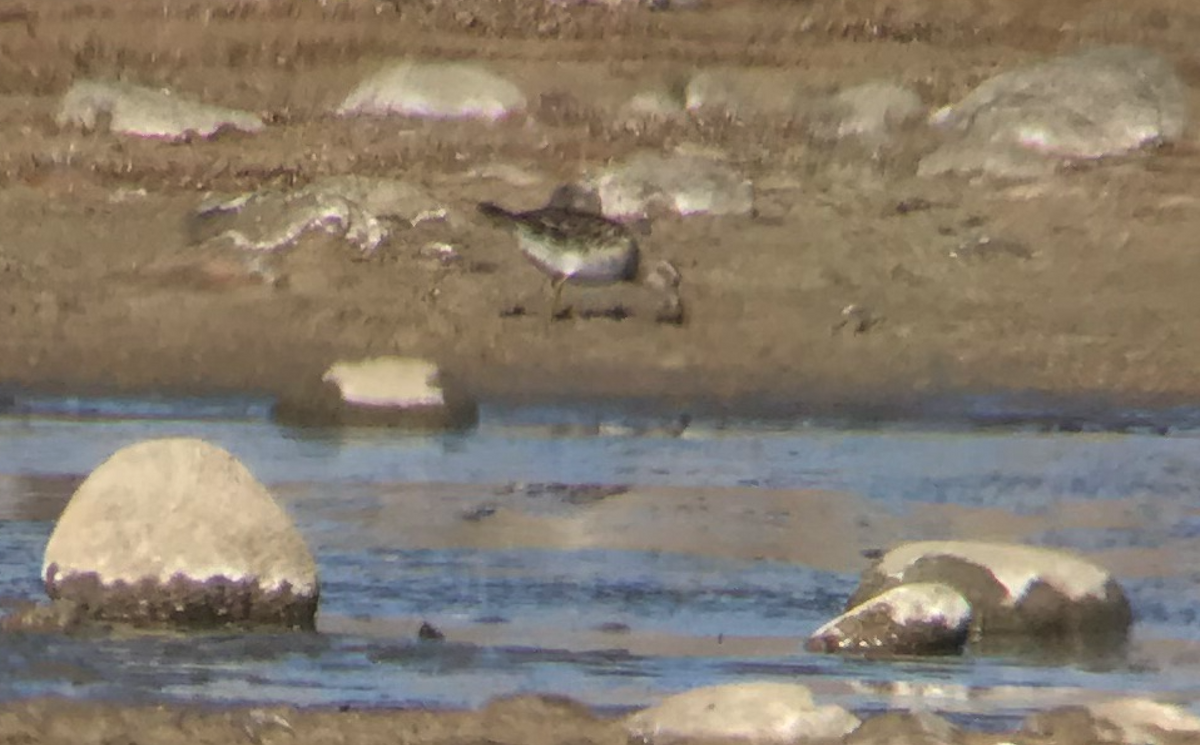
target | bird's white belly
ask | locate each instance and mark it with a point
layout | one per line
(599, 265)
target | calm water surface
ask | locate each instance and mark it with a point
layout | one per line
(525, 594)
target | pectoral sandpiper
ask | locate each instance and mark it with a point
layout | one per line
(570, 243)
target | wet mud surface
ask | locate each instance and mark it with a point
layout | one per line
(707, 560)
(101, 287)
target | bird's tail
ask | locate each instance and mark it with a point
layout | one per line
(495, 212)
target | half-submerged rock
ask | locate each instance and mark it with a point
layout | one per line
(388, 391)
(1013, 589)
(921, 618)
(754, 712)
(178, 532)
(147, 112)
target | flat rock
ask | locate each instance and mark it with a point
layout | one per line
(435, 90)
(1012, 588)
(387, 391)
(147, 112)
(911, 619)
(680, 183)
(177, 531)
(357, 208)
(757, 712)
(1094, 104)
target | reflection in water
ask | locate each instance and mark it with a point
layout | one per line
(613, 627)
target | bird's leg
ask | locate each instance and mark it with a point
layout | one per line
(671, 310)
(556, 285)
(665, 279)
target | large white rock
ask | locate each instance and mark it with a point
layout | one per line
(435, 90)
(388, 391)
(147, 112)
(1012, 588)
(178, 531)
(1098, 103)
(758, 712)
(685, 184)
(917, 618)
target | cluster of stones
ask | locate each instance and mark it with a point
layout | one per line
(933, 597)
(1089, 105)
(1026, 122)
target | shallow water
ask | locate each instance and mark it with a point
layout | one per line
(613, 626)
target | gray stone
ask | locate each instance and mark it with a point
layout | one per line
(685, 184)
(147, 112)
(1085, 106)
(871, 112)
(357, 208)
(1013, 589)
(713, 92)
(387, 391)
(741, 93)
(756, 712)
(648, 107)
(435, 90)
(177, 531)
(912, 619)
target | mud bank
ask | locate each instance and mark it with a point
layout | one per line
(102, 287)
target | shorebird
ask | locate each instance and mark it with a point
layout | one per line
(570, 241)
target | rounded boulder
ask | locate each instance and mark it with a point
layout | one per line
(178, 532)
